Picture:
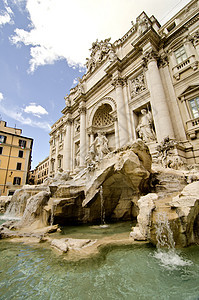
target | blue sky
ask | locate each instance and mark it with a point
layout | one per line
(43, 49)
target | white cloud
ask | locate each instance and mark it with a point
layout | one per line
(1, 97)
(17, 115)
(65, 29)
(6, 15)
(36, 110)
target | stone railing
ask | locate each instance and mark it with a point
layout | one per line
(192, 127)
(190, 62)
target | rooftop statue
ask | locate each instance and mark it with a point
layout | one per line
(100, 51)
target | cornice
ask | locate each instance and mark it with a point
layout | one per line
(150, 36)
(179, 31)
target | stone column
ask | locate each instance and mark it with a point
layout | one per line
(128, 114)
(67, 144)
(161, 116)
(121, 111)
(57, 150)
(174, 108)
(82, 111)
(116, 133)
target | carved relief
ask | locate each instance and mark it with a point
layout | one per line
(138, 85)
(99, 52)
(145, 127)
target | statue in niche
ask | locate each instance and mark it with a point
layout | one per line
(99, 147)
(77, 126)
(77, 156)
(145, 127)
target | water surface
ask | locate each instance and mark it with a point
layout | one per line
(128, 272)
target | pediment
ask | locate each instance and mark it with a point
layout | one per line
(190, 89)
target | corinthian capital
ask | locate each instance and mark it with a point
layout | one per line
(69, 121)
(149, 56)
(82, 108)
(119, 81)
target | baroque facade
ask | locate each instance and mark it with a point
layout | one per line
(144, 85)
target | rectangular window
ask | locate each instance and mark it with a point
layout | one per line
(20, 153)
(1, 150)
(2, 139)
(180, 55)
(22, 144)
(17, 180)
(18, 166)
(194, 106)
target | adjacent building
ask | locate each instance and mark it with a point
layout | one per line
(41, 171)
(144, 85)
(15, 159)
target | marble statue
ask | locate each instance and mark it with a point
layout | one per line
(145, 127)
(100, 146)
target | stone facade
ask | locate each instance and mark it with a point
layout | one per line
(41, 171)
(15, 159)
(144, 85)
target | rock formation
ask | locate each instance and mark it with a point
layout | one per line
(122, 175)
(123, 183)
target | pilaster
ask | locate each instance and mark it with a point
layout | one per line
(82, 112)
(118, 83)
(67, 144)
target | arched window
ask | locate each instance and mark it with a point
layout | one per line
(102, 116)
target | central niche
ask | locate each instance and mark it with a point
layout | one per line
(102, 117)
(103, 122)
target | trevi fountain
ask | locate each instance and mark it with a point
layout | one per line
(124, 227)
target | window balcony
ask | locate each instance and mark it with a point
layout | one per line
(188, 63)
(192, 128)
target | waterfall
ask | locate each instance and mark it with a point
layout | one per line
(53, 210)
(103, 214)
(164, 234)
(16, 207)
(166, 252)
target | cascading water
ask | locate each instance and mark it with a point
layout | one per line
(166, 252)
(16, 207)
(53, 210)
(103, 214)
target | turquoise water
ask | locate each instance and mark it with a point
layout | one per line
(129, 272)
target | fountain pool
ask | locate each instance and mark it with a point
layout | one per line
(122, 272)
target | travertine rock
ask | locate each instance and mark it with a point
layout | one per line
(146, 205)
(66, 244)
